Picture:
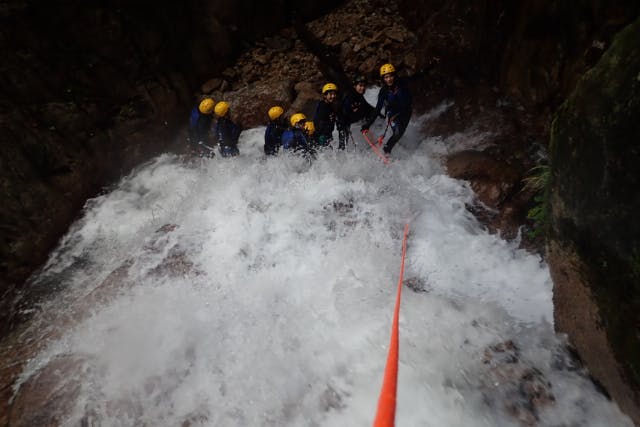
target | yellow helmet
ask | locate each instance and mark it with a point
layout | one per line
(329, 86)
(221, 109)
(206, 106)
(275, 112)
(309, 127)
(386, 69)
(296, 118)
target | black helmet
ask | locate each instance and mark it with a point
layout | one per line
(360, 79)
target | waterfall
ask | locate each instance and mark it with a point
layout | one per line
(258, 291)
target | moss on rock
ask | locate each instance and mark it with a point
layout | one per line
(594, 199)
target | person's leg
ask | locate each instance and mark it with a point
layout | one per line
(342, 137)
(398, 127)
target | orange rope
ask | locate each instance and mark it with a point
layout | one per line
(385, 416)
(374, 147)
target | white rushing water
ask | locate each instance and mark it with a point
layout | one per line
(276, 309)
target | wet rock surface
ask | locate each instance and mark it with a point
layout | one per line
(45, 396)
(523, 389)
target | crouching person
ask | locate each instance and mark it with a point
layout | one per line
(200, 139)
(227, 132)
(275, 128)
(295, 138)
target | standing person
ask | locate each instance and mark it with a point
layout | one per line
(200, 137)
(327, 117)
(227, 132)
(273, 134)
(354, 108)
(395, 97)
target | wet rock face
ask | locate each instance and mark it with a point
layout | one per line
(47, 396)
(523, 389)
(280, 69)
(595, 235)
(534, 50)
(90, 91)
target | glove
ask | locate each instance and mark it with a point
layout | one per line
(364, 129)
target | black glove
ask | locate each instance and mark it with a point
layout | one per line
(364, 128)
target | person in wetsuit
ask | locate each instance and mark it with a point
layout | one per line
(395, 97)
(227, 132)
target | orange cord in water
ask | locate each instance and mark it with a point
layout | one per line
(385, 416)
(374, 147)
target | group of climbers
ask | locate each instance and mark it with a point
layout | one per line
(301, 134)
(202, 135)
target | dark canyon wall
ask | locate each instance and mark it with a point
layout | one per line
(532, 50)
(594, 242)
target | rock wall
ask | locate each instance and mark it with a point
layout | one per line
(532, 50)
(537, 52)
(594, 242)
(91, 90)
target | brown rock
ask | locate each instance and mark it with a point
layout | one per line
(396, 34)
(47, 398)
(263, 59)
(250, 103)
(224, 86)
(410, 60)
(336, 39)
(211, 85)
(524, 390)
(576, 310)
(308, 94)
(230, 73)
(279, 44)
(492, 179)
(369, 65)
